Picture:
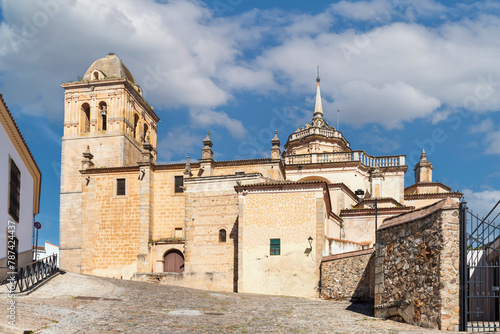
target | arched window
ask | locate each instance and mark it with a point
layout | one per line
(222, 235)
(136, 123)
(103, 111)
(96, 75)
(85, 118)
(145, 132)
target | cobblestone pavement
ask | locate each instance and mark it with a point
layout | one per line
(72, 303)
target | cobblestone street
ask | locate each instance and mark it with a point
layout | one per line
(72, 303)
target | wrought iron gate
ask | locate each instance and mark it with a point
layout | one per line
(479, 271)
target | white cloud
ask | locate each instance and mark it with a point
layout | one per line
(482, 202)
(206, 118)
(485, 126)
(184, 56)
(389, 104)
(360, 10)
(491, 139)
(380, 10)
(178, 141)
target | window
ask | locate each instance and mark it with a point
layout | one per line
(103, 111)
(120, 187)
(136, 123)
(222, 235)
(179, 184)
(275, 247)
(178, 233)
(86, 117)
(145, 133)
(14, 191)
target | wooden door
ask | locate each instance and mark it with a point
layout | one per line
(173, 262)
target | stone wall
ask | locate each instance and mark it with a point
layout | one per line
(211, 206)
(212, 281)
(348, 276)
(292, 217)
(417, 267)
(110, 230)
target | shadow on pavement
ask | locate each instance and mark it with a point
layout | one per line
(362, 308)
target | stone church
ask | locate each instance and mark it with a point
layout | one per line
(256, 225)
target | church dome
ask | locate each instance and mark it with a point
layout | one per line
(317, 136)
(108, 67)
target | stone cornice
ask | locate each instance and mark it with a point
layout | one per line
(348, 254)
(346, 189)
(410, 197)
(371, 212)
(428, 184)
(282, 185)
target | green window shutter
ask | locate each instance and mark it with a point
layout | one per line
(275, 247)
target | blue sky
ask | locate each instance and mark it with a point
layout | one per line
(406, 75)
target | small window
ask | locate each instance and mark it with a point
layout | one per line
(222, 235)
(86, 117)
(103, 111)
(145, 133)
(178, 233)
(179, 184)
(136, 124)
(14, 191)
(275, 247)
(120, 187)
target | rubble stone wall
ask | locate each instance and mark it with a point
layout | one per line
(348, 276)
(417, 267)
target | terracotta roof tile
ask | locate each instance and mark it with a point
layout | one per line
(444, 204)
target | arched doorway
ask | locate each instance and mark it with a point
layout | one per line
(173, 262)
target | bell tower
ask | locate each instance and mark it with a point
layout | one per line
(106, 117)
(423, 169)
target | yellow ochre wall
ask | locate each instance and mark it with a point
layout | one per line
(292, 217)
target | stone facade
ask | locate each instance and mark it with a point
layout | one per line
(348, 276)
(255, 225)
(416, 267)
(291, 214)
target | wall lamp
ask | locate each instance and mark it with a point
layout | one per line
(310, 239)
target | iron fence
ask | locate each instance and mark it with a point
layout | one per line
(479, 271)
(34, 273)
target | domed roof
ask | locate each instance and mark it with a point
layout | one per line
(108, 67)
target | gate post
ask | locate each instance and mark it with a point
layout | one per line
(463, 266)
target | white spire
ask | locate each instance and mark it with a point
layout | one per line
(318, 107)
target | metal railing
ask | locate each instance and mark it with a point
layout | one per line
(329, 133)
(361, 156)
(32, 274)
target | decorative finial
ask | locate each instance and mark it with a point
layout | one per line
(423, 156)
(318, 107)
(318, 79)
(207, 141)
(188, 165)
(275, 141)
(275, 149)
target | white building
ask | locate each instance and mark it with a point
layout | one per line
(20, 181)
(47, 250)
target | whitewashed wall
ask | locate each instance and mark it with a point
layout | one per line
(24, 229)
